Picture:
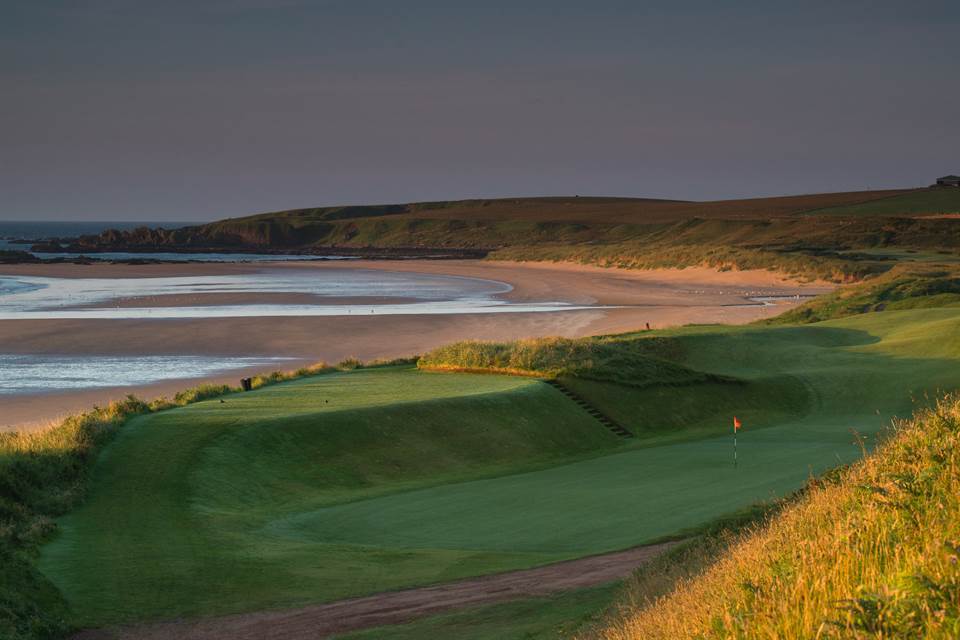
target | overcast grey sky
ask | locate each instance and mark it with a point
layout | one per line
(181, 110)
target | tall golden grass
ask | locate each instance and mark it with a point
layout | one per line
(873, 553)
(632, 360)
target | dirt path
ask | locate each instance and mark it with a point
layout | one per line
(395, 607)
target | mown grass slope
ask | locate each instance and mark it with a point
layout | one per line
(190, 510)
(871, 553)
(275, 498)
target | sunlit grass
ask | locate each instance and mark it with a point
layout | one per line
(874, 553)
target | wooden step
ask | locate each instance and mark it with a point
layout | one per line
(594, 412)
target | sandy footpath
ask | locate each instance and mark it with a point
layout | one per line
(395, 607)
(660, 298)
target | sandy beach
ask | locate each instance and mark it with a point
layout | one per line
(661, 298)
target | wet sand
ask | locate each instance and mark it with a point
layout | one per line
(662, 298)
(230, 299)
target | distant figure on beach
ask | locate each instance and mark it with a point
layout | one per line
(648, 326)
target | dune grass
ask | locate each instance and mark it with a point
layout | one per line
(872, 553)
(631, 360)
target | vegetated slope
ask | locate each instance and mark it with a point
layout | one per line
(943, 200)
(906, 286)
(273, 499)
(195, 511)
(585, 210)
(588, 210)
(873, 552)
(43, 475)
(306, 227)
(768, 233)
(837, 249)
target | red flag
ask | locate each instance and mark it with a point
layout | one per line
(736, 423)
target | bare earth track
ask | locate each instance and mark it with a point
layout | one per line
(394, 607)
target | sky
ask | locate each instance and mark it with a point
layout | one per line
(197, 110)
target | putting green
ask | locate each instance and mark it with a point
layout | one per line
(278, 497)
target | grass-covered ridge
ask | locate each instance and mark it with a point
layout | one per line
(631, 359)
(916, 203)
(787, 234)
(906, 286)
(874, 553)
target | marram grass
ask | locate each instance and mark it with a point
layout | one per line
(629, 359)
(874, 553)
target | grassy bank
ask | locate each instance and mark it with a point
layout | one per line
(44, 474)
(235, 489)
(906, 286)
(872, 553)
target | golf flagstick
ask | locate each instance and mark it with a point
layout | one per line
(736, 427)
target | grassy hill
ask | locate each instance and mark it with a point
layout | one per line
(585, 209)
(871, 553)
(923, 202)
(906, 286)
(821, 235)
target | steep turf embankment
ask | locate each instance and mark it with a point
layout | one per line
(873, 552)
(242, 494)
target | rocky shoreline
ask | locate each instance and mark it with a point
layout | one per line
(89, 255)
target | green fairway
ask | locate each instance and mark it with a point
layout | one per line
(358, 482)
(184, 503)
